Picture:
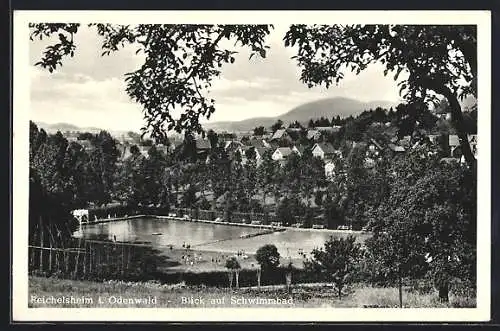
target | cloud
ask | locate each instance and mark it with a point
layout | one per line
(261, 83)
(76, 88)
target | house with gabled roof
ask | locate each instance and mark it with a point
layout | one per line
(202, 144)
(281, 153)
(232, 145)
(324, 151)
(280, 134)
(202, 147)
(299, 149)
(259, 153)
(256, 142)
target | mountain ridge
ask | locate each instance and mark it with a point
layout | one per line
(327, 107)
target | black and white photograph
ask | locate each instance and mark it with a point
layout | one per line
(301, 166)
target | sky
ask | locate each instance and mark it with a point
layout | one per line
(89, 90)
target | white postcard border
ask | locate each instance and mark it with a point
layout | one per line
(21, 106)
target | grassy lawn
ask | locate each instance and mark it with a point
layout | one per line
(150, 295)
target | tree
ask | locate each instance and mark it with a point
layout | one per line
(134, 150)
(295, 125)
(188, 152)
(336, 262)
(397, 252)
(277, 125)
(234, 267)
(189, 198)
(85, 136)
(268, 257)
(259, 131)
(130, 182)
(285, 211)
(311, 174)
(353, 188)
(266, 175)
(57, 186)
(250, 173)
(102, 168)
(333, 216)
(437, 59)
(153, 169)
(213, 138)
(147, 142)
(427, 222)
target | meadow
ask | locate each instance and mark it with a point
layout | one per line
(108, 294)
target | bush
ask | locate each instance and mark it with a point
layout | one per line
(420, 286)
(463, 288)
(268, 257)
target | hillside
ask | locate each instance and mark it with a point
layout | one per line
(63, 127)
(58, 127)
(343, 107)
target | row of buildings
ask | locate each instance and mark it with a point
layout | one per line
(315, 141)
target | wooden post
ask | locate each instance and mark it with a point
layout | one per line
(237, 272)
(288, 280)
(32, 256)
(230, 275)
(50, 256)
(52, 243)
(67, 254)
(400, 288)
(259, 273)
(77, 257)
(107, 254)
(51, 247)
(85, 258)
(41, 242)
(97, 258)
(128, 257)
(90, 257)
(123, 258)
(58, 252)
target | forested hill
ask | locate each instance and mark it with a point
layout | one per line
(328, 108)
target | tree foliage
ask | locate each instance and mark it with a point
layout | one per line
(427, 223)
(436, 60)
(232, 263)
(268, 257)
(336, 261)
(180, 63)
